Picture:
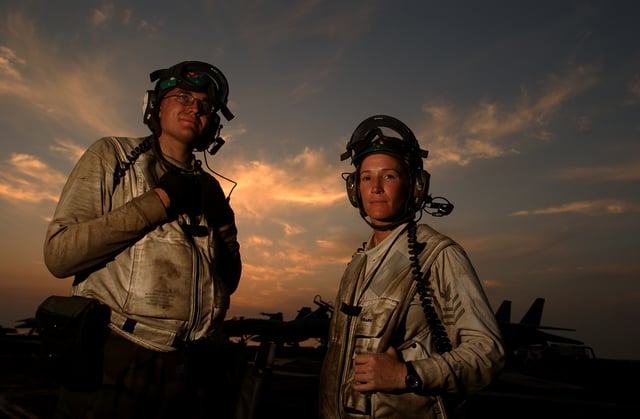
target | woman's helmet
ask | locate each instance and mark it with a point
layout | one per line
(193, 76)
(369, 138)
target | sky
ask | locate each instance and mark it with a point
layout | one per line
(530, 111)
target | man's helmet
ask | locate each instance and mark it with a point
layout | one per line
(369, 138)
(193, 76)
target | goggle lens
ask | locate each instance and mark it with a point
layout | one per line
(378, 144)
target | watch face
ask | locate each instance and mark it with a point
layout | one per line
(413, 381)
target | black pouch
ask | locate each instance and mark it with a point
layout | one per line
(73, 331)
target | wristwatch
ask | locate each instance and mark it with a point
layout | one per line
(412, 380)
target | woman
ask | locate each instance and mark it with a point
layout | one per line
(412, 322)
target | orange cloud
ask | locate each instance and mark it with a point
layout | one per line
(595, 207)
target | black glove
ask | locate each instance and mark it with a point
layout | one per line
(221, 220)
(215, 206)
(184, 193)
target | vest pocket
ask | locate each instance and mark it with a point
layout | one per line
(372, 323)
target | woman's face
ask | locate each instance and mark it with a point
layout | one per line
(384, 187)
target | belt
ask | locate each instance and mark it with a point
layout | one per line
(149, 334)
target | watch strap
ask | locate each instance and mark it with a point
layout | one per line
(412, 380)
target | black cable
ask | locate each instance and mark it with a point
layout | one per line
(441, 339)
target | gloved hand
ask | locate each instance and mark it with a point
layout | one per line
(184, 190)
(221, 219)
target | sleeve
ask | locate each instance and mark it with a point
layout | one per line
(221, 218)
(478, 353)
(228, 256)
(85, 232)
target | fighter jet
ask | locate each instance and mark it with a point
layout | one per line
(308, 324)
(527, 338)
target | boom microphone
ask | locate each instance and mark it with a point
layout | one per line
(440, 208)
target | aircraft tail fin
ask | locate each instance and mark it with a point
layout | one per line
(503, 314)
(533, 316)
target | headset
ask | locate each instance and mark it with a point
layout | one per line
(195, 76)
(368, 138)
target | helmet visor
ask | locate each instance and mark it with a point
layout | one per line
(377, 142)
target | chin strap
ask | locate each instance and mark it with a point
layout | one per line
(393, 223)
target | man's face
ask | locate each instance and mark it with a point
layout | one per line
(181, 121)
(384, 187)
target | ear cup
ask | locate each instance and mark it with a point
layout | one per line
(148, 108)
(352, 189)
(421, 188)
(211, 134)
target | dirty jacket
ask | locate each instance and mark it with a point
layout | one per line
(165, 282)
(382, 309)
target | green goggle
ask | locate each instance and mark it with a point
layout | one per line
(192, 78)
(379, 144)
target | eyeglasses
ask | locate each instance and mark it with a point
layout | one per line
(188, 100)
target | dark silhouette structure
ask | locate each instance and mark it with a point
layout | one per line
(308, 324)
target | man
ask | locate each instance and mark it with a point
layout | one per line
(143, 229)
(412, 323)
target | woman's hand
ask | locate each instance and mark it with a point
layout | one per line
(379, 372)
